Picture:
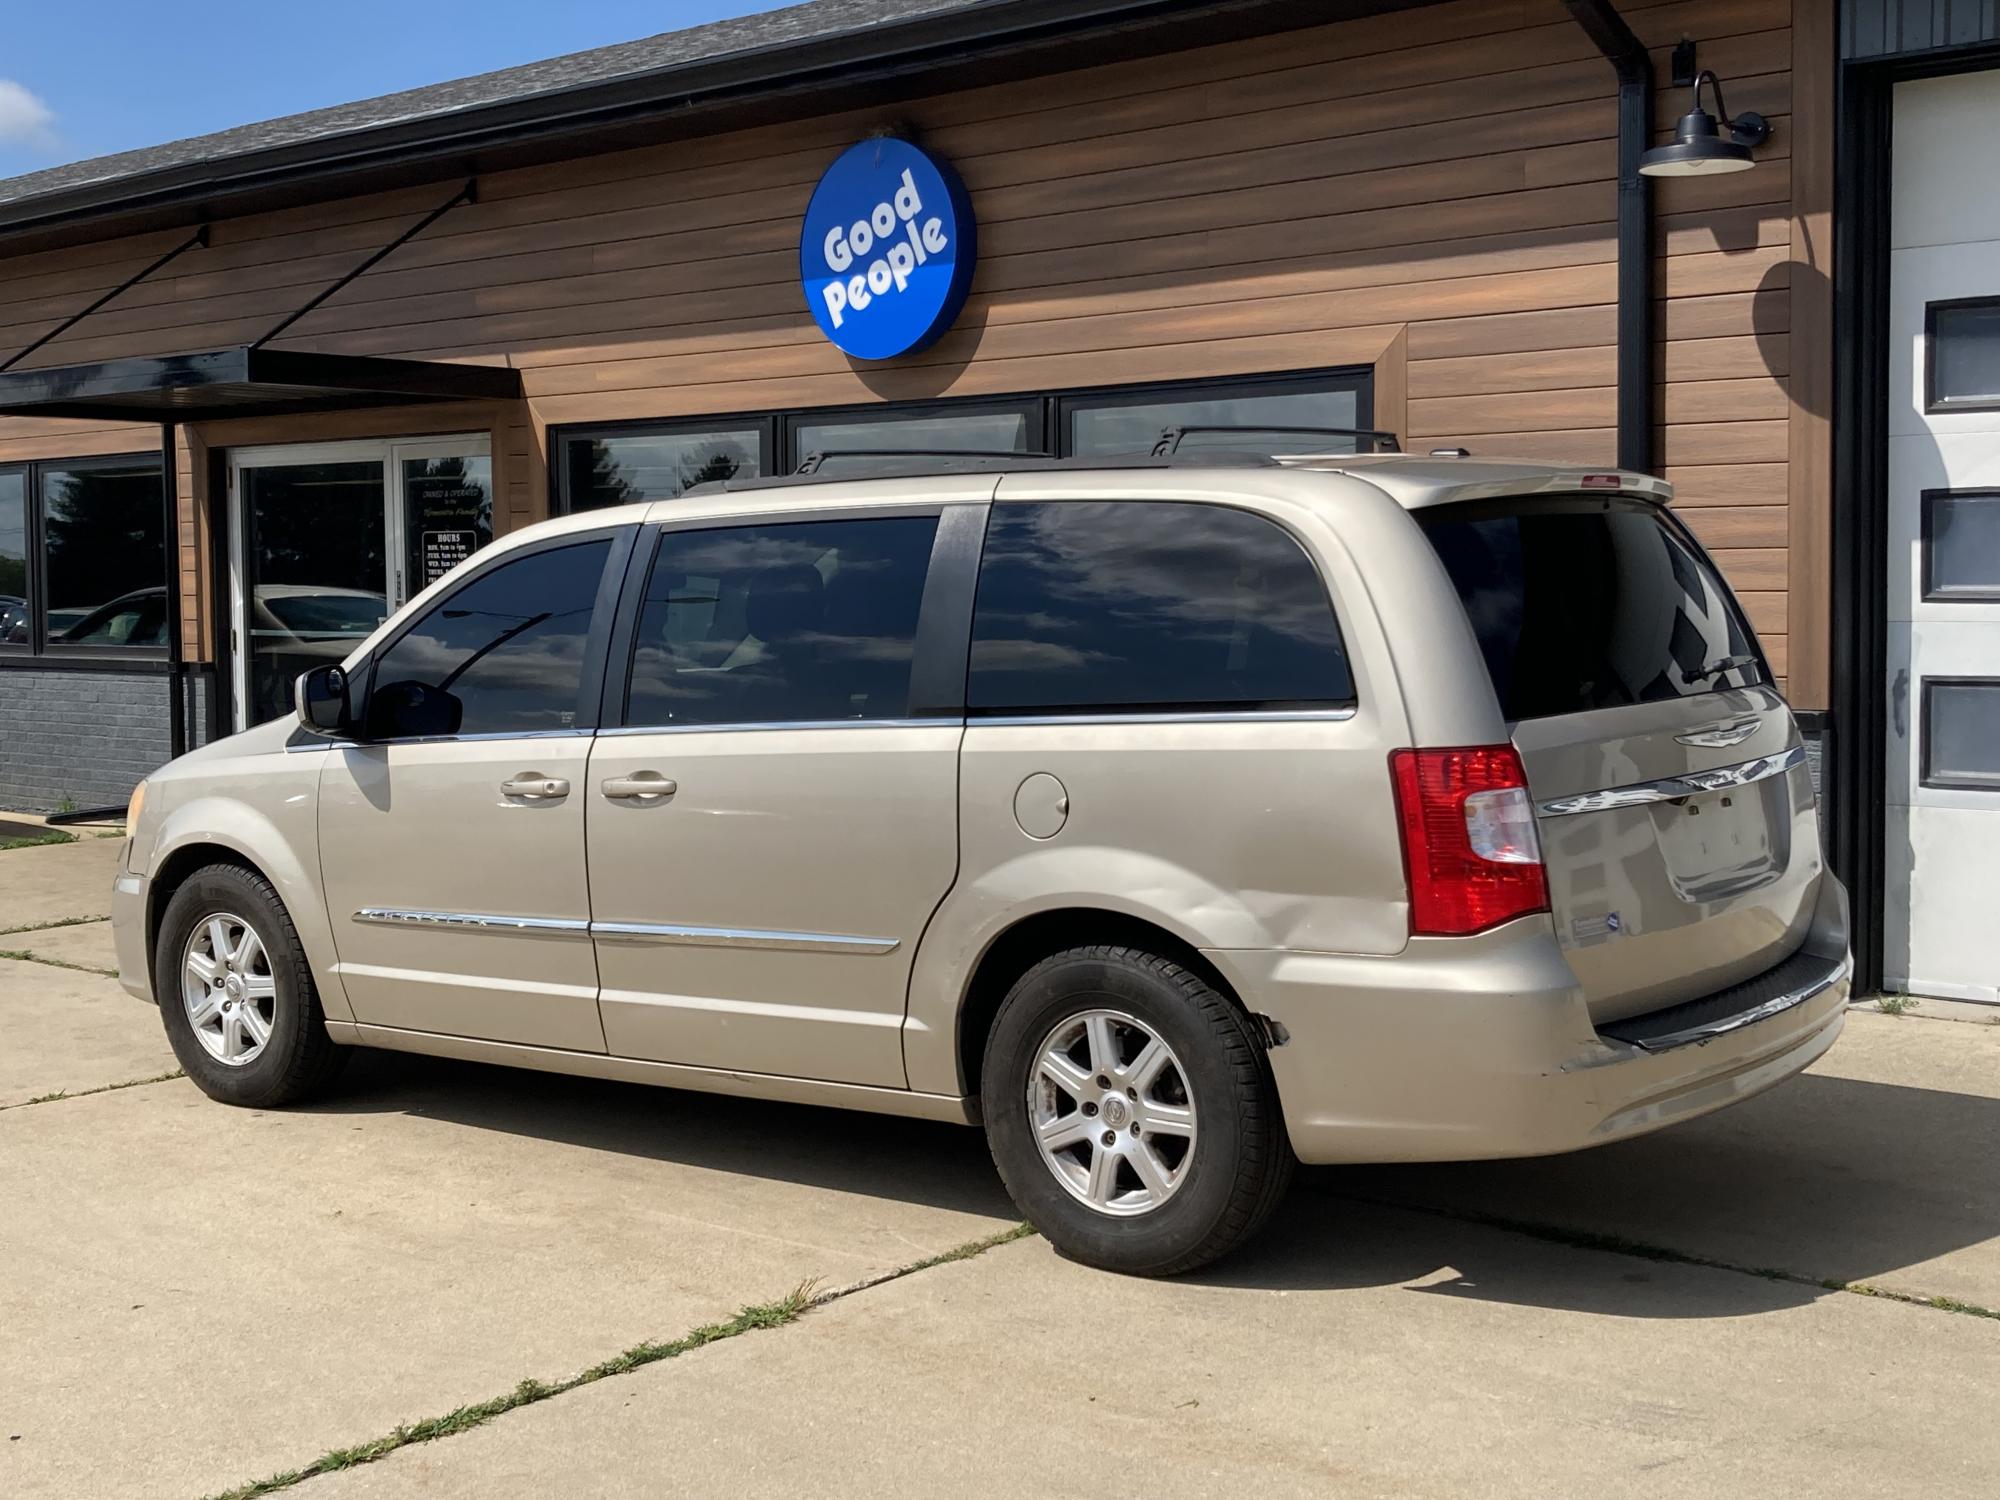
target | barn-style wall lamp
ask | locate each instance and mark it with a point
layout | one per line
(1700, 148)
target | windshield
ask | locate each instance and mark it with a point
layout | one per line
(1582, 604)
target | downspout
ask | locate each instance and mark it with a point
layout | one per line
(177, 731)
(1628, 56)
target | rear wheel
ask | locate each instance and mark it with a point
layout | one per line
(1131, 1113)
(236, 995)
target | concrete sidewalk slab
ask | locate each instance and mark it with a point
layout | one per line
(1877, 1165)
(86, 944)
(1356, 1352)
(69, 1032)
(53, 881)
(196, 1295)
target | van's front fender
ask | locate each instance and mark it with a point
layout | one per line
(283, 847)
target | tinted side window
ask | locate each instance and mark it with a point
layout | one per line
(1149, 605)
(812, 620)
(502, 654)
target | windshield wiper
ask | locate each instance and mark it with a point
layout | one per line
(1720, 665)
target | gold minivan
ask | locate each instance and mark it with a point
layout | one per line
(1174, 819)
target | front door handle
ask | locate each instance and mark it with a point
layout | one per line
(533, 788)
(640, 786)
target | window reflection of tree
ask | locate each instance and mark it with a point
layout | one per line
(100, 534)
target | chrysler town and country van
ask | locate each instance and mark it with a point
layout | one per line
(1175, 820)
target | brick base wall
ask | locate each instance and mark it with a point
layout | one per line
(82, 737)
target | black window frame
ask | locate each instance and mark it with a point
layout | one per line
(1934, 404)
(41, 651)
(1927, 507)
(944, 614)
(1925, 776)
(607, 614)
(1178, 709)
(1048, 411)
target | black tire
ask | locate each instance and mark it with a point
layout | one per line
(1240, 1163)
(299, 1058)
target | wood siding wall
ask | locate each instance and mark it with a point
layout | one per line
(1430, 192)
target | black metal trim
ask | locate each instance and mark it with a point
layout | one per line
(1629, 58)
(135, 665)
(467, 194)
(170, 544)
(1924, 776)
(199, 237)
(1933, 402)
(605, 615)
(1927, 531)
(944, 619)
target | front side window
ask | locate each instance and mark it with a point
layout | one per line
(625, 468)
(502, 654)
(1134, 606)
(807, 621)
(1585, 604)
(103, 555)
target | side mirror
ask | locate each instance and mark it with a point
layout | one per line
(321, 696)
(413, 710)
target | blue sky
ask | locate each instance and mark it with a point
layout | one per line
(82, 78)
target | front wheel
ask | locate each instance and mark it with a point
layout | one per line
(1131, 1112)
(236, 995)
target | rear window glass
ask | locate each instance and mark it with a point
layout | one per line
(1135, 605)
(1590, 604)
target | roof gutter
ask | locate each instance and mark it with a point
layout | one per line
(787, 80)
(1628, 56)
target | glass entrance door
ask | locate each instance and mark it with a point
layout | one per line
(330, 538)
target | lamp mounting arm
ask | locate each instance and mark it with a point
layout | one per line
(1748, 129)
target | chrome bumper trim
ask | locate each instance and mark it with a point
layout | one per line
(1674, 788)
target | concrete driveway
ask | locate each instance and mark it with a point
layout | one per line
(451, 1280)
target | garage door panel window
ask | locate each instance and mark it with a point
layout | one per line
(502, 654)
(1129, 606)
(803, 622)
(1961, 540)
(1962, 733)
(1962, 347)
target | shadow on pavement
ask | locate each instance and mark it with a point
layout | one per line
(1825, 1178)
(913, 1161)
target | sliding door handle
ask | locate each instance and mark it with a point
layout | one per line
(642, 786)
(533, 788)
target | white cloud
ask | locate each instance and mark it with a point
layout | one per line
(24, 119)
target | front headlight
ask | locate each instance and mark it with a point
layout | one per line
(134, 808)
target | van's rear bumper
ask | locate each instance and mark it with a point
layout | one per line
(1460, 1048)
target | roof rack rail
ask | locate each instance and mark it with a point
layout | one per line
(1171, 438)
(973, 457)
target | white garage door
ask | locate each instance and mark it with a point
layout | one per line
(1943, 770)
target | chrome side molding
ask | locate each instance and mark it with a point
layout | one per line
(741, 937)
(1673, 788)
(764, 938)
(465, 921)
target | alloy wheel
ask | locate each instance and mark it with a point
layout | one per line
(227, 989)
(1109, 1106)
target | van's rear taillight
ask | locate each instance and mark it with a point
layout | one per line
(1468, 839)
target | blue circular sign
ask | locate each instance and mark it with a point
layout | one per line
(887, 248)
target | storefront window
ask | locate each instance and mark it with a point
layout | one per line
(1116, 423)
(448, 513)
(103, 555)
(13, 557)
(923, 432)
(622, 468)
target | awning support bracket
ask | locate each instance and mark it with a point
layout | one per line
(467, 194)
(199, 237)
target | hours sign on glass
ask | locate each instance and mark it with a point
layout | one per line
(887, 249)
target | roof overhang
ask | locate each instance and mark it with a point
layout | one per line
(984, 43)
(243, 382)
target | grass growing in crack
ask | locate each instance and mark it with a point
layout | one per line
(801, 1300)
(1894, 1005)
(55, 963)
(54, 922)
(53, 836)
(786, 1309)
(102, 1088)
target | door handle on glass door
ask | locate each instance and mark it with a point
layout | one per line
(640, 786)
(532, 788)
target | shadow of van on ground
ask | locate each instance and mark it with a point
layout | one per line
(1824, 1178)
